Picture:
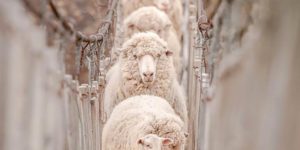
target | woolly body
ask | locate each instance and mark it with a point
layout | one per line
(152, 19)
(174, 12)
(125, 79)
(138, 116)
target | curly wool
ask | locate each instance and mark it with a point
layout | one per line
(147, 18)
(175, 13)
(126, 80)
(138, 116)
(138, 46)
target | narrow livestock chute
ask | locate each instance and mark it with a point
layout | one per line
(149, 75)
(105, 52)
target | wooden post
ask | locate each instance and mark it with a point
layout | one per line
(198, 75)
(192, 88)
(83, 94)
(101, 102)
(95, 112)
(73, 114)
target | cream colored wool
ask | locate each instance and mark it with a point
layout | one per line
(138, 116)
(175, 12)
(151, 18)
(125, 80)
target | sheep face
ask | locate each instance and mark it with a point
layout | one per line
(164, 5)
(154, 142)
(147, 68)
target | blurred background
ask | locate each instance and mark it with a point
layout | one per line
(241, 72)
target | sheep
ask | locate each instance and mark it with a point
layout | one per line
(139, 121)
(152, 19)
(145, 66)
(171, 7)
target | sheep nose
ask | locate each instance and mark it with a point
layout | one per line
(148, 74)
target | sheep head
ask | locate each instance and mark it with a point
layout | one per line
(147, 51)
(154, 142)
(148, 18)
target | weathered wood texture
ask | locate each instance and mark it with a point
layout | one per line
(83, 114)
(194, 87)
(253, 61)
(41, 108)
(256, 102)
(32, 116)
(198, 78)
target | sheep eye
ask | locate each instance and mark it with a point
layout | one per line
(135, 56)
(149, 146)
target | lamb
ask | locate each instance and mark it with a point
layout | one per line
(152, 19)
(145, 66)
(171, 7)
(152, 141)
(144, 122)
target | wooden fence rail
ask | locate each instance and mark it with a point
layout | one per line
(32, 113)
(83, 105)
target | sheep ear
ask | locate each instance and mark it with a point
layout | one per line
(167, 141)
(140, 141)
(130, 25)
(186, 134)
(169, 53)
